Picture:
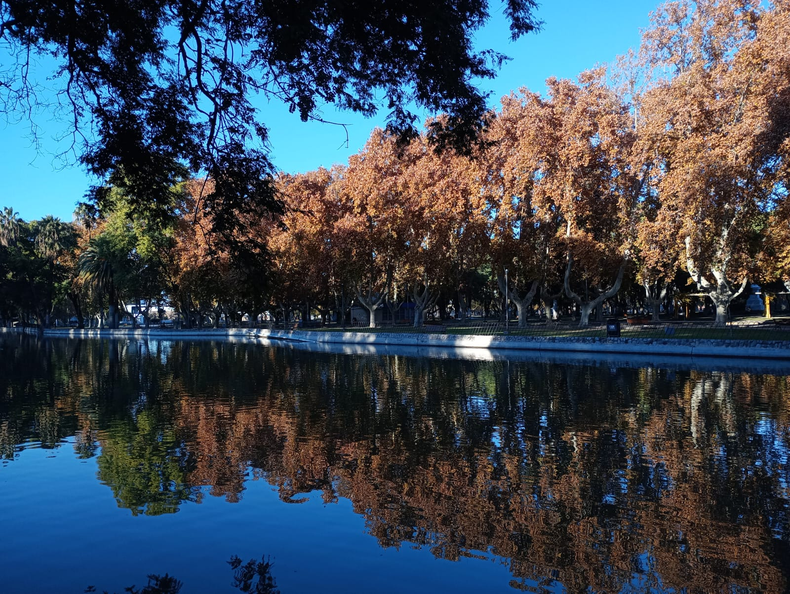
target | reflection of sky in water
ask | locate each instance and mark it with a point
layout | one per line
(495, 438)
(480, 406)
(775, 462)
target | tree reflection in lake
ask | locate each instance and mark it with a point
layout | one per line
(252, 576)
(578, 476)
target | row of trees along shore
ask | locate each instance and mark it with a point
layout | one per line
(667, 171)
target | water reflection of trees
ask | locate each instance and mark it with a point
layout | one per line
(589, 476)
(253, 576)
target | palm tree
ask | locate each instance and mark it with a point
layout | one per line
(9, 226)
(52, 237)
(97, 270)
(86, 215)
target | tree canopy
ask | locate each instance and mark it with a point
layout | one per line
(161, 89)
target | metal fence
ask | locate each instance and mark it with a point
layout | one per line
(749, 329)
(757, 329)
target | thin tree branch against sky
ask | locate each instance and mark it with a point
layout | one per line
(576, 35)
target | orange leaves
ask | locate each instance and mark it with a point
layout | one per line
(696, 145)
(559, 177)
(711, 122)
(303, 248)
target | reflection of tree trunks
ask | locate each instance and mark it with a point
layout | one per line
(113, 361)
(712, 388)
(724, 400)
(697, 421)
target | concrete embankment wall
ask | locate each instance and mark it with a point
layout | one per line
(593, 346)
(641, 346)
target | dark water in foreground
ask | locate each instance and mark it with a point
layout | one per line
(385, 473)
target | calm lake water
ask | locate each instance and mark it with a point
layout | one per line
(385, 473)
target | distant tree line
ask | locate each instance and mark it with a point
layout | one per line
(663, 173)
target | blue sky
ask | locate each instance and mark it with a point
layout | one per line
(576, 35)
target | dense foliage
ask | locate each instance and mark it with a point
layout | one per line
(160, 90)
(666, 173)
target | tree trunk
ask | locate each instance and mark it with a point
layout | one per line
(586, 309)
(441, 304)
(393, 307)
(586, 306)
(655, 293)
(40, 325)
(655, 309)
(371, 315)
(722, 312)
(722, 292)
(75, 301)
(423, 299)
(370, 303)
(522, 303)
(146, 314)
(461, 310)
(184, 310)
(547, 298)
(343, 307)
(284, 315)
